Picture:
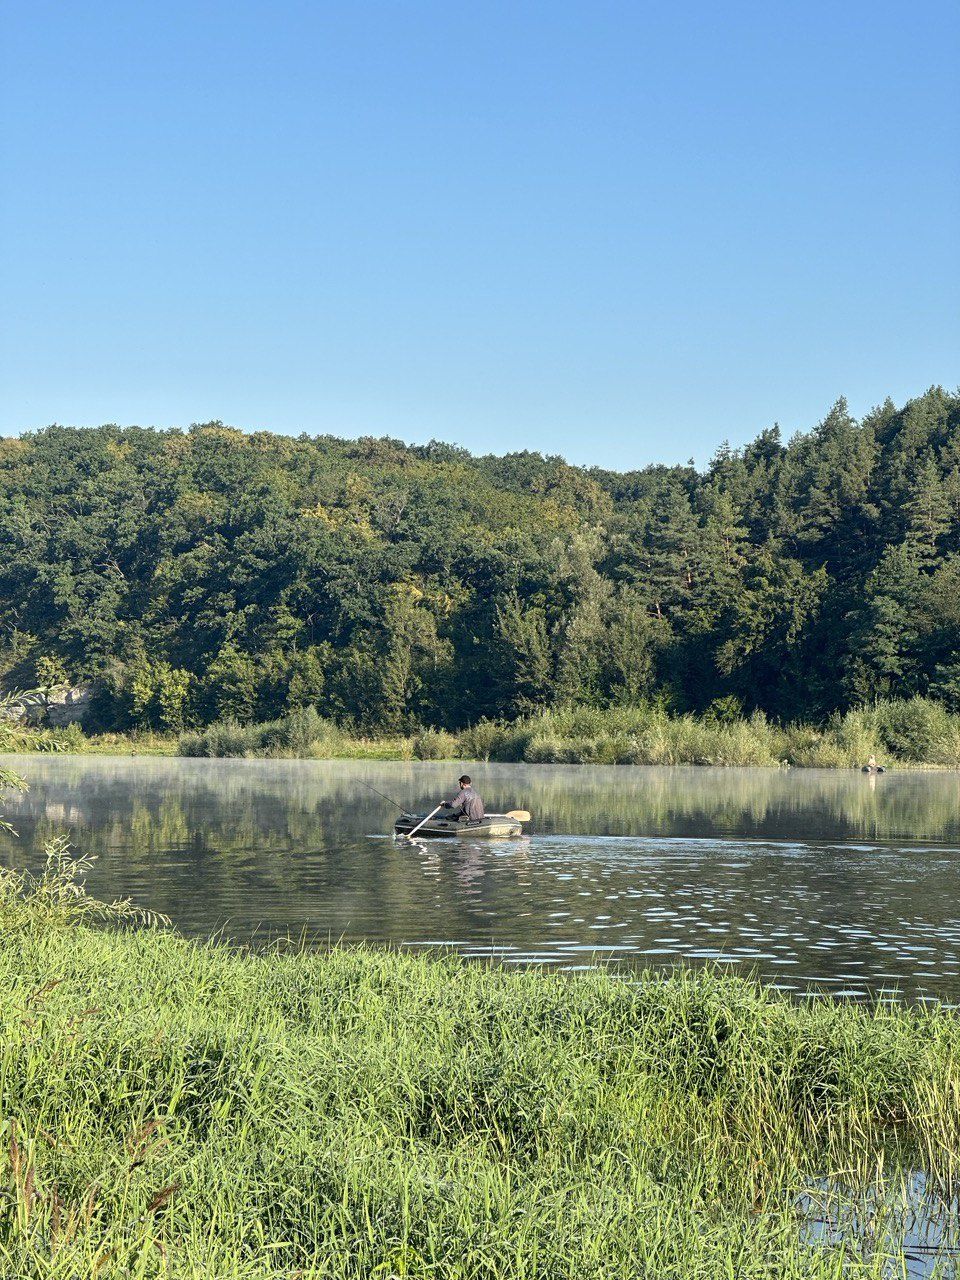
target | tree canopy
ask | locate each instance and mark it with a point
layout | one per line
(207, 572)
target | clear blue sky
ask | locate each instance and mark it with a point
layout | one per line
(616, 231)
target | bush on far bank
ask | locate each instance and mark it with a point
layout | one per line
(905, 731)
(911, 731)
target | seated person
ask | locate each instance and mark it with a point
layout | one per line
(466, 803)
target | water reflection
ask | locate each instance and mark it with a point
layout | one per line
(902, 1220)
(840, 880)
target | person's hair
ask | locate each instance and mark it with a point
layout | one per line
(465, 778)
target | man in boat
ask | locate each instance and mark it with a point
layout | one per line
(466, 802)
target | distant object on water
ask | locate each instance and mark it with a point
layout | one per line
(872, 767)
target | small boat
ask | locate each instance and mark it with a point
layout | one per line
(494, 824)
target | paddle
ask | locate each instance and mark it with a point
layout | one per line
(411, 834)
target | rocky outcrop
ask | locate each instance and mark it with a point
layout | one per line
(59, 707)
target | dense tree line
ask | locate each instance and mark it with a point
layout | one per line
(207, 573)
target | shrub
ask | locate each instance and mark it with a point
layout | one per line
(915, 731)
(435, 744)
(305, 726)
(908, 728)
(298, 733)
(810, 748)
(224, 738)
(491, 740)
(725, 710)
(191, 744)
(945, 750)
(57, 896)
(73, 738)
(856, 736)
(477, 741)
(545, 749)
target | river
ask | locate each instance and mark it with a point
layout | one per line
(814, 880)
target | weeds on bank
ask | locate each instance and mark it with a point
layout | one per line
(58, 897)
(915, 731)
(182, 1109)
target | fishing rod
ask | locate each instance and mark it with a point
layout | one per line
(395, 804)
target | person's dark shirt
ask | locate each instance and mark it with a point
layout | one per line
(468, 802)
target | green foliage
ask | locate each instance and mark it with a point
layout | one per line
(205, 576)
(299, 732)
(525, 655)
(435, 744)
(302, 732)
(945, 685)
(57, 897)
(908, 731)
(158, 695)
(182, 1110)
(230, 684)
(725, 710)
(222, 738)
(9, 781)
(918, 731)
(50, 672)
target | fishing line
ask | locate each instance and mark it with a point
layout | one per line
(395, 803)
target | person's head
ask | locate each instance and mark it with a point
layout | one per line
(464, 780)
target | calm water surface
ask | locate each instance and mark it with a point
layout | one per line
(809, 878)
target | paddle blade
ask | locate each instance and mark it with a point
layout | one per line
(518, 815)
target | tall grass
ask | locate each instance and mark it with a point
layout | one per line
(71, 740)
(915, 731)
(909, 732)
(304, 734)
(182, 1109)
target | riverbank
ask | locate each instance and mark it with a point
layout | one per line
(909, 733)
(186, 1110)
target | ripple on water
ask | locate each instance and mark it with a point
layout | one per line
(802, 878)
(902, 1217)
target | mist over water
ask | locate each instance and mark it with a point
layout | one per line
(822, 880)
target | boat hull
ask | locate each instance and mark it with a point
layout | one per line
(494, 824)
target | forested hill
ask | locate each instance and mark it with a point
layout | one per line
(203, 573)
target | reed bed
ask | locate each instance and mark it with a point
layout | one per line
(178, 1109)
(915, 731)
(904, 732)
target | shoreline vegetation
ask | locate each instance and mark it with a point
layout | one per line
(156, 581)
(915, 732)
(182, 1109)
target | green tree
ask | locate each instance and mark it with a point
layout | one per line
(632, 640)
(525, 677)
(230, 685)
(927, 513)
(886, 628)
(194, 574)
(769, 624)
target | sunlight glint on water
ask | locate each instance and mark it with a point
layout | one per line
(811, 879)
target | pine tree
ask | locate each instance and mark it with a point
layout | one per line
(663, 562)
(883, 660)
(926, 513)
(525, 666)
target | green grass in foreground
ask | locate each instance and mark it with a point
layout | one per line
(902, 732)
(183, 1110)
